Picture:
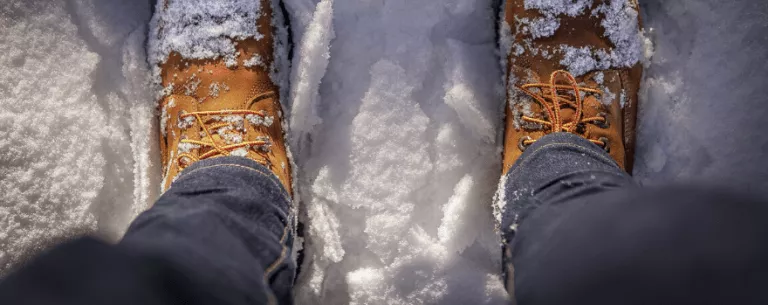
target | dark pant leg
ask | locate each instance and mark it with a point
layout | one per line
(222, 234)
(587, 235)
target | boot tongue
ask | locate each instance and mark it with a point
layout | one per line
(567, 112)
(568, 115)
(216, 139)
(225, 88)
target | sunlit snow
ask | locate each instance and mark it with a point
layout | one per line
(394, 109)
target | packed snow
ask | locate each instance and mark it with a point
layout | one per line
(394, 111)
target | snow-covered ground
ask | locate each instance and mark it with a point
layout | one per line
(398, 160)
(394, 110)
(705, 101)
(76, 121)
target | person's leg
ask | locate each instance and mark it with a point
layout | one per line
(228, 220)
(556, 169)
(222, 234)
(582, 232)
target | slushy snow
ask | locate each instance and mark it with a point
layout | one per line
(394, 111)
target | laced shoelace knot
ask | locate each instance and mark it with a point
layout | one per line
(553, 103)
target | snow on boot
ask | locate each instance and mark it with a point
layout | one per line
(572, 66)
(226, 106)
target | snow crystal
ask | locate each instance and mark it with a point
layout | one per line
(500, 201)
(164, 117)
(166, 91)
(236, 120)
(230, 137)
(255, 119)
(578, 60)
(607, 97)
(187, 147)
(621, 27)
(214, 89)
(539, 27)
(254, 61)
(506, 42)
(187, 122)
(259, 120)
(546, 54)
(623, 98)
(600, 78)
(648, 48)
(230, 60)
(190, 87)
(268, 121)
(571, 8)
(619, 18)
(548, 24)
(240, 152)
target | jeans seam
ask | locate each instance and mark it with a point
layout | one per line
(271, 299)
(280, 259)
(525, 160)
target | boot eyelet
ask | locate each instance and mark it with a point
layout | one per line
(605, 123)
(521, 144)
(606, 144)
(581, 128)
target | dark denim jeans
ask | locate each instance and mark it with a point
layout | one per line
(222, 234)
(576, 228)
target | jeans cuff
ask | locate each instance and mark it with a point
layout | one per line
(558, 140)
(557, 166)
(231, 162)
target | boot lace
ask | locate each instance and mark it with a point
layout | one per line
(553, 103)
(225, 123)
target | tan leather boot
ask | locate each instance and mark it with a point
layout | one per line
(597, 99)
(211, 109)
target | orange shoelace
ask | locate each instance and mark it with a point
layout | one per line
(217, 149)
(553, 103)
